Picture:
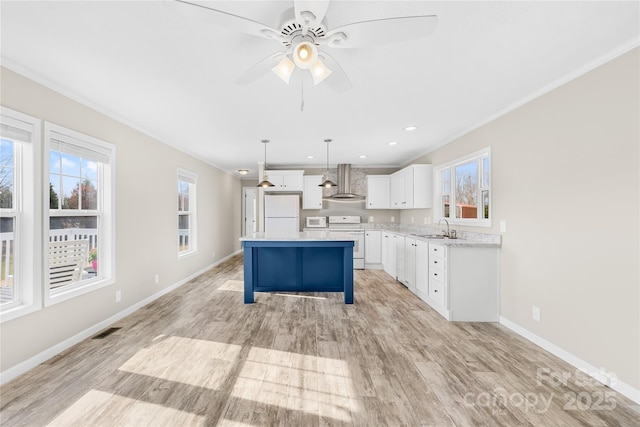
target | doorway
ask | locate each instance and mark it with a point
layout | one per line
(249, 210)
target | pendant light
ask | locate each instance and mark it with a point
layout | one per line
(327, 183)
(265, 182)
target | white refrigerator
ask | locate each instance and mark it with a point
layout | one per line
(281, 214)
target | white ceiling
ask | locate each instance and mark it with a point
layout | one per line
(171, 74)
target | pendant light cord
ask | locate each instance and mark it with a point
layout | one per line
(327, 169)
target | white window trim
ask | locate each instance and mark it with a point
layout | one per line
(192, 179)
(437, 205)
(28, 228)
(106, 239)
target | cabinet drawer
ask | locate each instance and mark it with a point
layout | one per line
(436, 292)
(437, 251)
(437, 263)
(438, 275)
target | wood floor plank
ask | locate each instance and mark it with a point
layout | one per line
(200, 356)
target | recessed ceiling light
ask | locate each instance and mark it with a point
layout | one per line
(393, 143)
(410, 128)
(363, 156)
(309, 157)
(243, 171)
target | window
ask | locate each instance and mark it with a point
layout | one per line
(186, 212)
(80, 217)
(19, 223)
(463, 190)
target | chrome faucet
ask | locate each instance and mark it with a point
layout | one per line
(448, 233)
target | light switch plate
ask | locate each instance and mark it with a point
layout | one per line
(503, 226)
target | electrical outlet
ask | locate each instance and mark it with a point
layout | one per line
(535, 312)
(427, 220)
(118, 296)
(156, 279)
(370, 219)
(393, 219)
(503, 226)
(213, 254)
(412, 220)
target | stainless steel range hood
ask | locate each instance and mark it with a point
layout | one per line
(344, 193)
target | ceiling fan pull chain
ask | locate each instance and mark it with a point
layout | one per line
(301, 92)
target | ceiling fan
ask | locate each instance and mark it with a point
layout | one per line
(305, 38)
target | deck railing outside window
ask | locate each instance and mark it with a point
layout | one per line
(7, 254)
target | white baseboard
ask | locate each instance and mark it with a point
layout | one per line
(27, 365)
(597, 373)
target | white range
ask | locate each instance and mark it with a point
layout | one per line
(351, 225)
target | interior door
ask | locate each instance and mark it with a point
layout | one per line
(250, 207)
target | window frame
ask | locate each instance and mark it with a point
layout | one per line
(105, 212)
(438, 213)
(192, 179)
(26, 210)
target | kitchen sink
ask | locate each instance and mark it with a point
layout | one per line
(431, 236)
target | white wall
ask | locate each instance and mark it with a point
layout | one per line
(566, 180)
(145, 220)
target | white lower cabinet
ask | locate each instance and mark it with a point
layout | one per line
(463, 282)
(401, 268)
(389, 253)
(372, 248)
(459, 281)
(422, 268)
(410, 263)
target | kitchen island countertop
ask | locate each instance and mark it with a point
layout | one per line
(299, 236)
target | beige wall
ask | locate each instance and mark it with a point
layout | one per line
(145, 220)
(566, 181)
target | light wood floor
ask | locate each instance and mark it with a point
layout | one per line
(199, 356)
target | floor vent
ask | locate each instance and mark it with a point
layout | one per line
(104, 333)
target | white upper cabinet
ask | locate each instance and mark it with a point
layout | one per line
(285, 180)
(411, 188)
(312, 192)
(378, 192)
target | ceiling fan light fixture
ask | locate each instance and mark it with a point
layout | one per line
(305, 54)
(319, 72)
(284, 69)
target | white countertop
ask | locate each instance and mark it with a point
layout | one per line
(300, 236)
(477, 240)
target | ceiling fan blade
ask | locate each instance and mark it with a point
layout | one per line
(229, 20)
(259, 69)
(338, 79)
(381, 31)
(310, 12)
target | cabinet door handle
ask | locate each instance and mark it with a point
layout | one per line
(435, 274)
(435, 290)
(435, 262)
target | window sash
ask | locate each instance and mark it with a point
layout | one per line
(59, 139)
(481, 189)
(24, 131)
(186, 236)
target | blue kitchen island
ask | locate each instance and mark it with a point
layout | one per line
(313, 261)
